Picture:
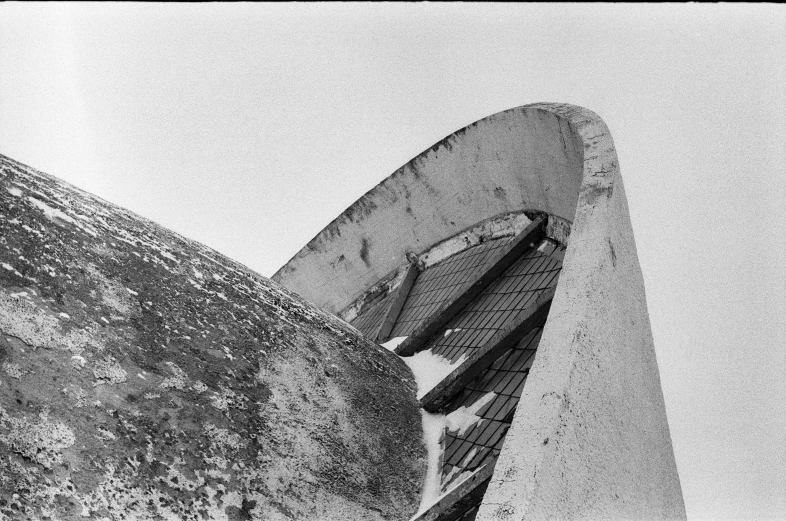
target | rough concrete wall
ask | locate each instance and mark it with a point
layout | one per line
(590, 439)
(144, 376)
(527, 158)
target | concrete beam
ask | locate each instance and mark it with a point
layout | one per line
(484, 356)
(396, 303)
(456, 502)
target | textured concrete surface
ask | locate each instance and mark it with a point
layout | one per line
(527, 158)
(144, 376)
(590, 438)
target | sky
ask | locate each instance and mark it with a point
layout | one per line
(249, 127)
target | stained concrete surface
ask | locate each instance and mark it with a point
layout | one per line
(590, 438)
(145, 376)
(527, 158)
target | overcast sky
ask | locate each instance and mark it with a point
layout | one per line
(250, 127)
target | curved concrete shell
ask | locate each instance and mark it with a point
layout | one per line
(145, 376)
(528, 158)
(590, 438)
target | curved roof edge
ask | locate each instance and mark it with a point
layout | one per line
(525, 158)
(590, 437)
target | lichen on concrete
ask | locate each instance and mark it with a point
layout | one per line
(108, 371)
(145, 376)
(41, 440)
(12, 370)
(178, 379)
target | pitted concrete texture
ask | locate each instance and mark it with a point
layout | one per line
(528, 158)
(590, 438)
(144, 376)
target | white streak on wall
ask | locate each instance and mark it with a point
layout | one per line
(429, 369)
(393, 343)
(50, 212)
(465, 417)
(451, 331)
(433, 430)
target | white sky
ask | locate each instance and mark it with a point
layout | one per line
(249, 127)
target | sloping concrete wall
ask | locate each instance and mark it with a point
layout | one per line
(590, 439)
(527, 158)
(144, 376)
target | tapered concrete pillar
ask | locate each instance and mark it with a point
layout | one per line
(590, 438)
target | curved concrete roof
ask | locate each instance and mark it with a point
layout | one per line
(526, 158)
(590, 437)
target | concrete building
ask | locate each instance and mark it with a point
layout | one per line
(145, 376)
(503, 259)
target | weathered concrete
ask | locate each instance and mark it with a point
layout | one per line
(590, 438)
(508, 225)
(528, 158)
(145, 376)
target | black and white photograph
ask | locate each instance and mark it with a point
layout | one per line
(416, 261)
